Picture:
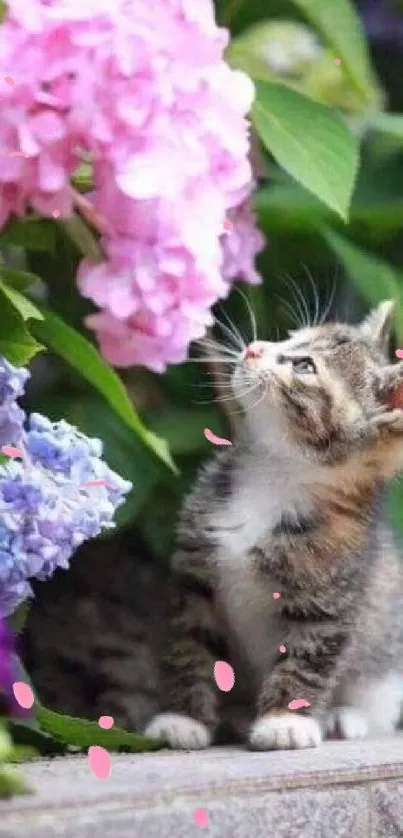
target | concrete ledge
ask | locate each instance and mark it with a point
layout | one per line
(341, 790)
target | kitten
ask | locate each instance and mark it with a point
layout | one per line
(295, 507)
(92, 640)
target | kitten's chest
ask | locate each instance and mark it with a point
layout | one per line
(251, 612)
(257, 504)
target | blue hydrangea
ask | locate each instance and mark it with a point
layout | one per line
(12, 383)
(46, 511)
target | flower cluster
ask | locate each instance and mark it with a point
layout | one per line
(12, 382)
(142, 88)
(58, 495)
(383, 21)
(7, 669)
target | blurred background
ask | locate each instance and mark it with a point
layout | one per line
(90, 636)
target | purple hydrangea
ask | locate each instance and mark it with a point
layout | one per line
(7, 673)
(46, 511)
(12, 383)
(383, 21)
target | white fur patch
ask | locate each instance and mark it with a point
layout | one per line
(252, 612)
(346, 723)
(284, 731)
(380, 702)
(178, 731)
(261, 495)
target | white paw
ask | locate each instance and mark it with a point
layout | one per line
(284, 731)
(346, 723)
(179, 731)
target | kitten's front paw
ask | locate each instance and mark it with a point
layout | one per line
(346, 723)
(284, 731)
(179, 731)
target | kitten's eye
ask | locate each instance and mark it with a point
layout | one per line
(303, 365)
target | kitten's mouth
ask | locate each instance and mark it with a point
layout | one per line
(250, 383)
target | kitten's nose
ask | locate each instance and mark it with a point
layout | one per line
(253, 352)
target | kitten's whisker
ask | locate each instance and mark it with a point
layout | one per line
(298, 292)
(288, 308)
(231, 397)
(329, 303)
(315, 295)
(208, 360)
(260, 398)
(232, 330)
(299, 316)
(226, 385)
(251, 313)
(235, 343)
(211, 344)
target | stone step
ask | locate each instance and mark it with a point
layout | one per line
(340, 790)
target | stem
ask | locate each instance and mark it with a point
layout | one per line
(225, 406)
(230, 11)
(87, 210)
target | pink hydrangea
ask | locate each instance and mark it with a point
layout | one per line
(141, 86)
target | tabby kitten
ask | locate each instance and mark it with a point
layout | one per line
(295, 507)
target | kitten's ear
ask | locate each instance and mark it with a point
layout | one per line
(389, 416)
(377, 326)
(391, 387)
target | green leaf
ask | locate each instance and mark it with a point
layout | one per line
(18, 619)
(30, 233)
(339, 23)
(85, 358)
(172, 422)
(16, 343)
(247, 52)
(387, 123)
(83, 733)
(376, 211)
(22, 753)
(12, 783)
(20, 280)
(374, 279)
(83, 178)
(123, 450)
(3, 10)
(310, 141)
(27, 310)
(289, 207)
(82, 237)
(27, 736)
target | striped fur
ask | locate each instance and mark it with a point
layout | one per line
(297, 507)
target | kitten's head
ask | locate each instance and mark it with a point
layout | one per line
(320, 388)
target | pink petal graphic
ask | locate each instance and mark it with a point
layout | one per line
(224, 676)
(200, 817)
(9, 80)
(399, 353)
(106, 722)
(337, 61)
(276, 595)
(56, 213)
(96, 483)
(10, 451)
(282, 649)
(216, 440)
(100, 761)
(23, 694)
(298, 703)
(228, 225)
